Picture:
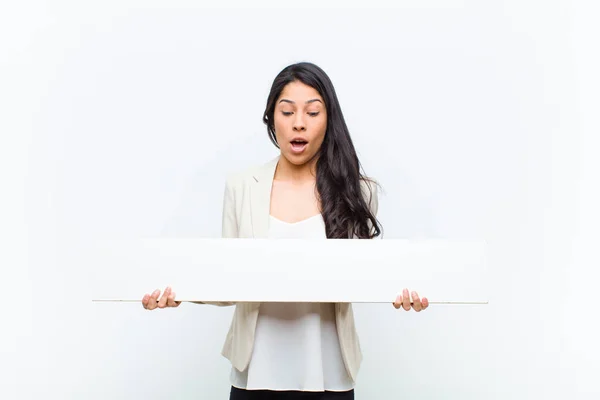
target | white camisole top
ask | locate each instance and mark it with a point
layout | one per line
(296, 346)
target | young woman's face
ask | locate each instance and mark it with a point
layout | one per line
(300, 122)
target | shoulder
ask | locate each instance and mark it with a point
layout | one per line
(369, 188)
(252, 173)
(237, 177)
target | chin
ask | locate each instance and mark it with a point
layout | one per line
(297, 159)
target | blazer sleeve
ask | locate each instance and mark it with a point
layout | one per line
(372, 199)
(229, 229)
(369, 189)
(229, 226)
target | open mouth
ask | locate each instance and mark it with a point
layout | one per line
(298, 145)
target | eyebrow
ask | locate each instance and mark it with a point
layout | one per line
(307, 102)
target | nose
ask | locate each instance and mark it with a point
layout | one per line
(299, 124)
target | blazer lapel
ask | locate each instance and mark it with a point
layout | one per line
(260, 198)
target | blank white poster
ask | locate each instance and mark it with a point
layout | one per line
(289, 270)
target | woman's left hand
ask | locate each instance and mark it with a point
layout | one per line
(403, 301)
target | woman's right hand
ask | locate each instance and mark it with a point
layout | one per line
(151, 301)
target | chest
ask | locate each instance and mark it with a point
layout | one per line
(294, 202)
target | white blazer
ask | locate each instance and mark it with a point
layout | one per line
(246, 209)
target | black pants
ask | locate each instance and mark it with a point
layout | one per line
(241, 394)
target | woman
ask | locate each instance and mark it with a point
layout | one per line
(312, 189)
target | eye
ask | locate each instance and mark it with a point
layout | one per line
(286, 113)
(313, 114)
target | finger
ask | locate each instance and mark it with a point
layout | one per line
(425, 302)
(405, 300)
(398, 302)
(145, 300)
(162, 303)
(153, 300)
(171, 300)
(416, 302)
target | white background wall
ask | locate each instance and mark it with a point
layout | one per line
(478, 118)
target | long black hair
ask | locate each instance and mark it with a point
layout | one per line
(343, 206)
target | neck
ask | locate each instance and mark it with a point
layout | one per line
(286, 171)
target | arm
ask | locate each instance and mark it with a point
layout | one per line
(229, 229)
(372, 198)
(369, 190)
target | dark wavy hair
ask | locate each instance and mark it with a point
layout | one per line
(345, 211)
